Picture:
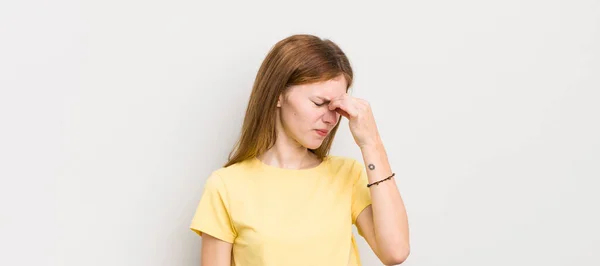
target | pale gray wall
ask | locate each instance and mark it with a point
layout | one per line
(488, 109)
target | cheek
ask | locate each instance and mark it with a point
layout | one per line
(305, 119)
(302, 118)
(293, 118)
(312, 117)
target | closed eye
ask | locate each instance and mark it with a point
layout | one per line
(319, 104)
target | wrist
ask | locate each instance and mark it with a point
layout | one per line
(373, 144)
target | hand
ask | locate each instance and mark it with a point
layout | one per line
(360, 117)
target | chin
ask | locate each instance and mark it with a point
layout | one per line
(313, 145)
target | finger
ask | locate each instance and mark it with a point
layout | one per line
(340, 97)
(343, 113)
(337, 103)
(333, 104)
(343, 104)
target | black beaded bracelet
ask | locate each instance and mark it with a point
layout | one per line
(377, 183)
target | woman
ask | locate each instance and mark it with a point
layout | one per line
(281, 199)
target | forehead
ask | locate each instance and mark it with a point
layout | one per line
(326, 89)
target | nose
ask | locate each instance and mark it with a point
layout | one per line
(330, 117)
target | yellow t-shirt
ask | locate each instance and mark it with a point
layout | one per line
(284, 217)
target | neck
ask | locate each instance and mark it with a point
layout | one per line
(289, 154)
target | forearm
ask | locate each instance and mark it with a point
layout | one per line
(389, 215)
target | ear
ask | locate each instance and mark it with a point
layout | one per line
(279, 100)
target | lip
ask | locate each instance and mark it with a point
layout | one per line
(322, 132)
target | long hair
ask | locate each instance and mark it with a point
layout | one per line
(295, 60)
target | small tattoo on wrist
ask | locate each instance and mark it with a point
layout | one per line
(371, 166)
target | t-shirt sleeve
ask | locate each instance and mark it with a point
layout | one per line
(212, 215)
(361, 195)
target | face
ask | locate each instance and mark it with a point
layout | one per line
(304, 116)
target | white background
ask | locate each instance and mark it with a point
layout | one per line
(115, 112)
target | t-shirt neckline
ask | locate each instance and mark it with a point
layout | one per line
(263, 165)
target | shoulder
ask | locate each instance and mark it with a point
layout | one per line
(233, 172)
(343, 161)
(345, 164)
(242, 166)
